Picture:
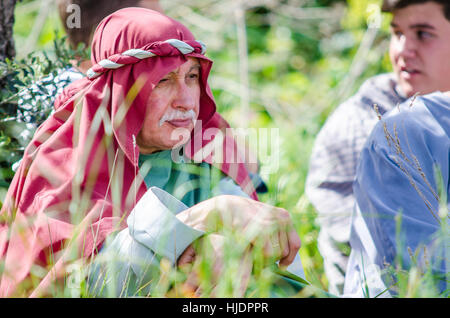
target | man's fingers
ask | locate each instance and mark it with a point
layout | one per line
(284, 244)
(294, 246)
(187, 257)
(245, 273)
(272, 246)
(288, 238)
(190, 287)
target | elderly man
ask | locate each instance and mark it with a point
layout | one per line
(91, 13)
(100, 164)
(419, 52)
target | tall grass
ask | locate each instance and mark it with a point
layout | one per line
(291, 74)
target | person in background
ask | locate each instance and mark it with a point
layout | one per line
(419, 50)
(402, 194)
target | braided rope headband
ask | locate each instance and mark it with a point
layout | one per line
(132, 56)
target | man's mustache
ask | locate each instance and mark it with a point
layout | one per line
(177, 115)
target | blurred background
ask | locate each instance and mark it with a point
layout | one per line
(277, 64)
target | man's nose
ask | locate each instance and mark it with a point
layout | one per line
(185, 96)
(406, 47)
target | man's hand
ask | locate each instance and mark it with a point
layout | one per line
(211, 250)
(262, 225)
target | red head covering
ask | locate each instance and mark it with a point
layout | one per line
(79, 179)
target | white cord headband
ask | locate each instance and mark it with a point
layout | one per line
(107, 64)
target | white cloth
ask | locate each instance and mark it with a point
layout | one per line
(133, 257)
(153, 231)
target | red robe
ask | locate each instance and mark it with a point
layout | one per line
(79, 179)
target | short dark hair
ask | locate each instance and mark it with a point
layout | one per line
(91, 13)
(391, 5)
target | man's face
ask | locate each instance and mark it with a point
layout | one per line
(420, 48)
(174, 103)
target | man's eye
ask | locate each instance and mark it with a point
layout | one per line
(193, 76)
(424, 35)
(397, 33)
(162, 81)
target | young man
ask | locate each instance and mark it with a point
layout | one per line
(419, 52)
(402, 193)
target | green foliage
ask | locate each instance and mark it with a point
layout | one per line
(26, 100)
(299, 70)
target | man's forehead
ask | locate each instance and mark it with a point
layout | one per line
(422, 15)
(191, 64)
(413, 25)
